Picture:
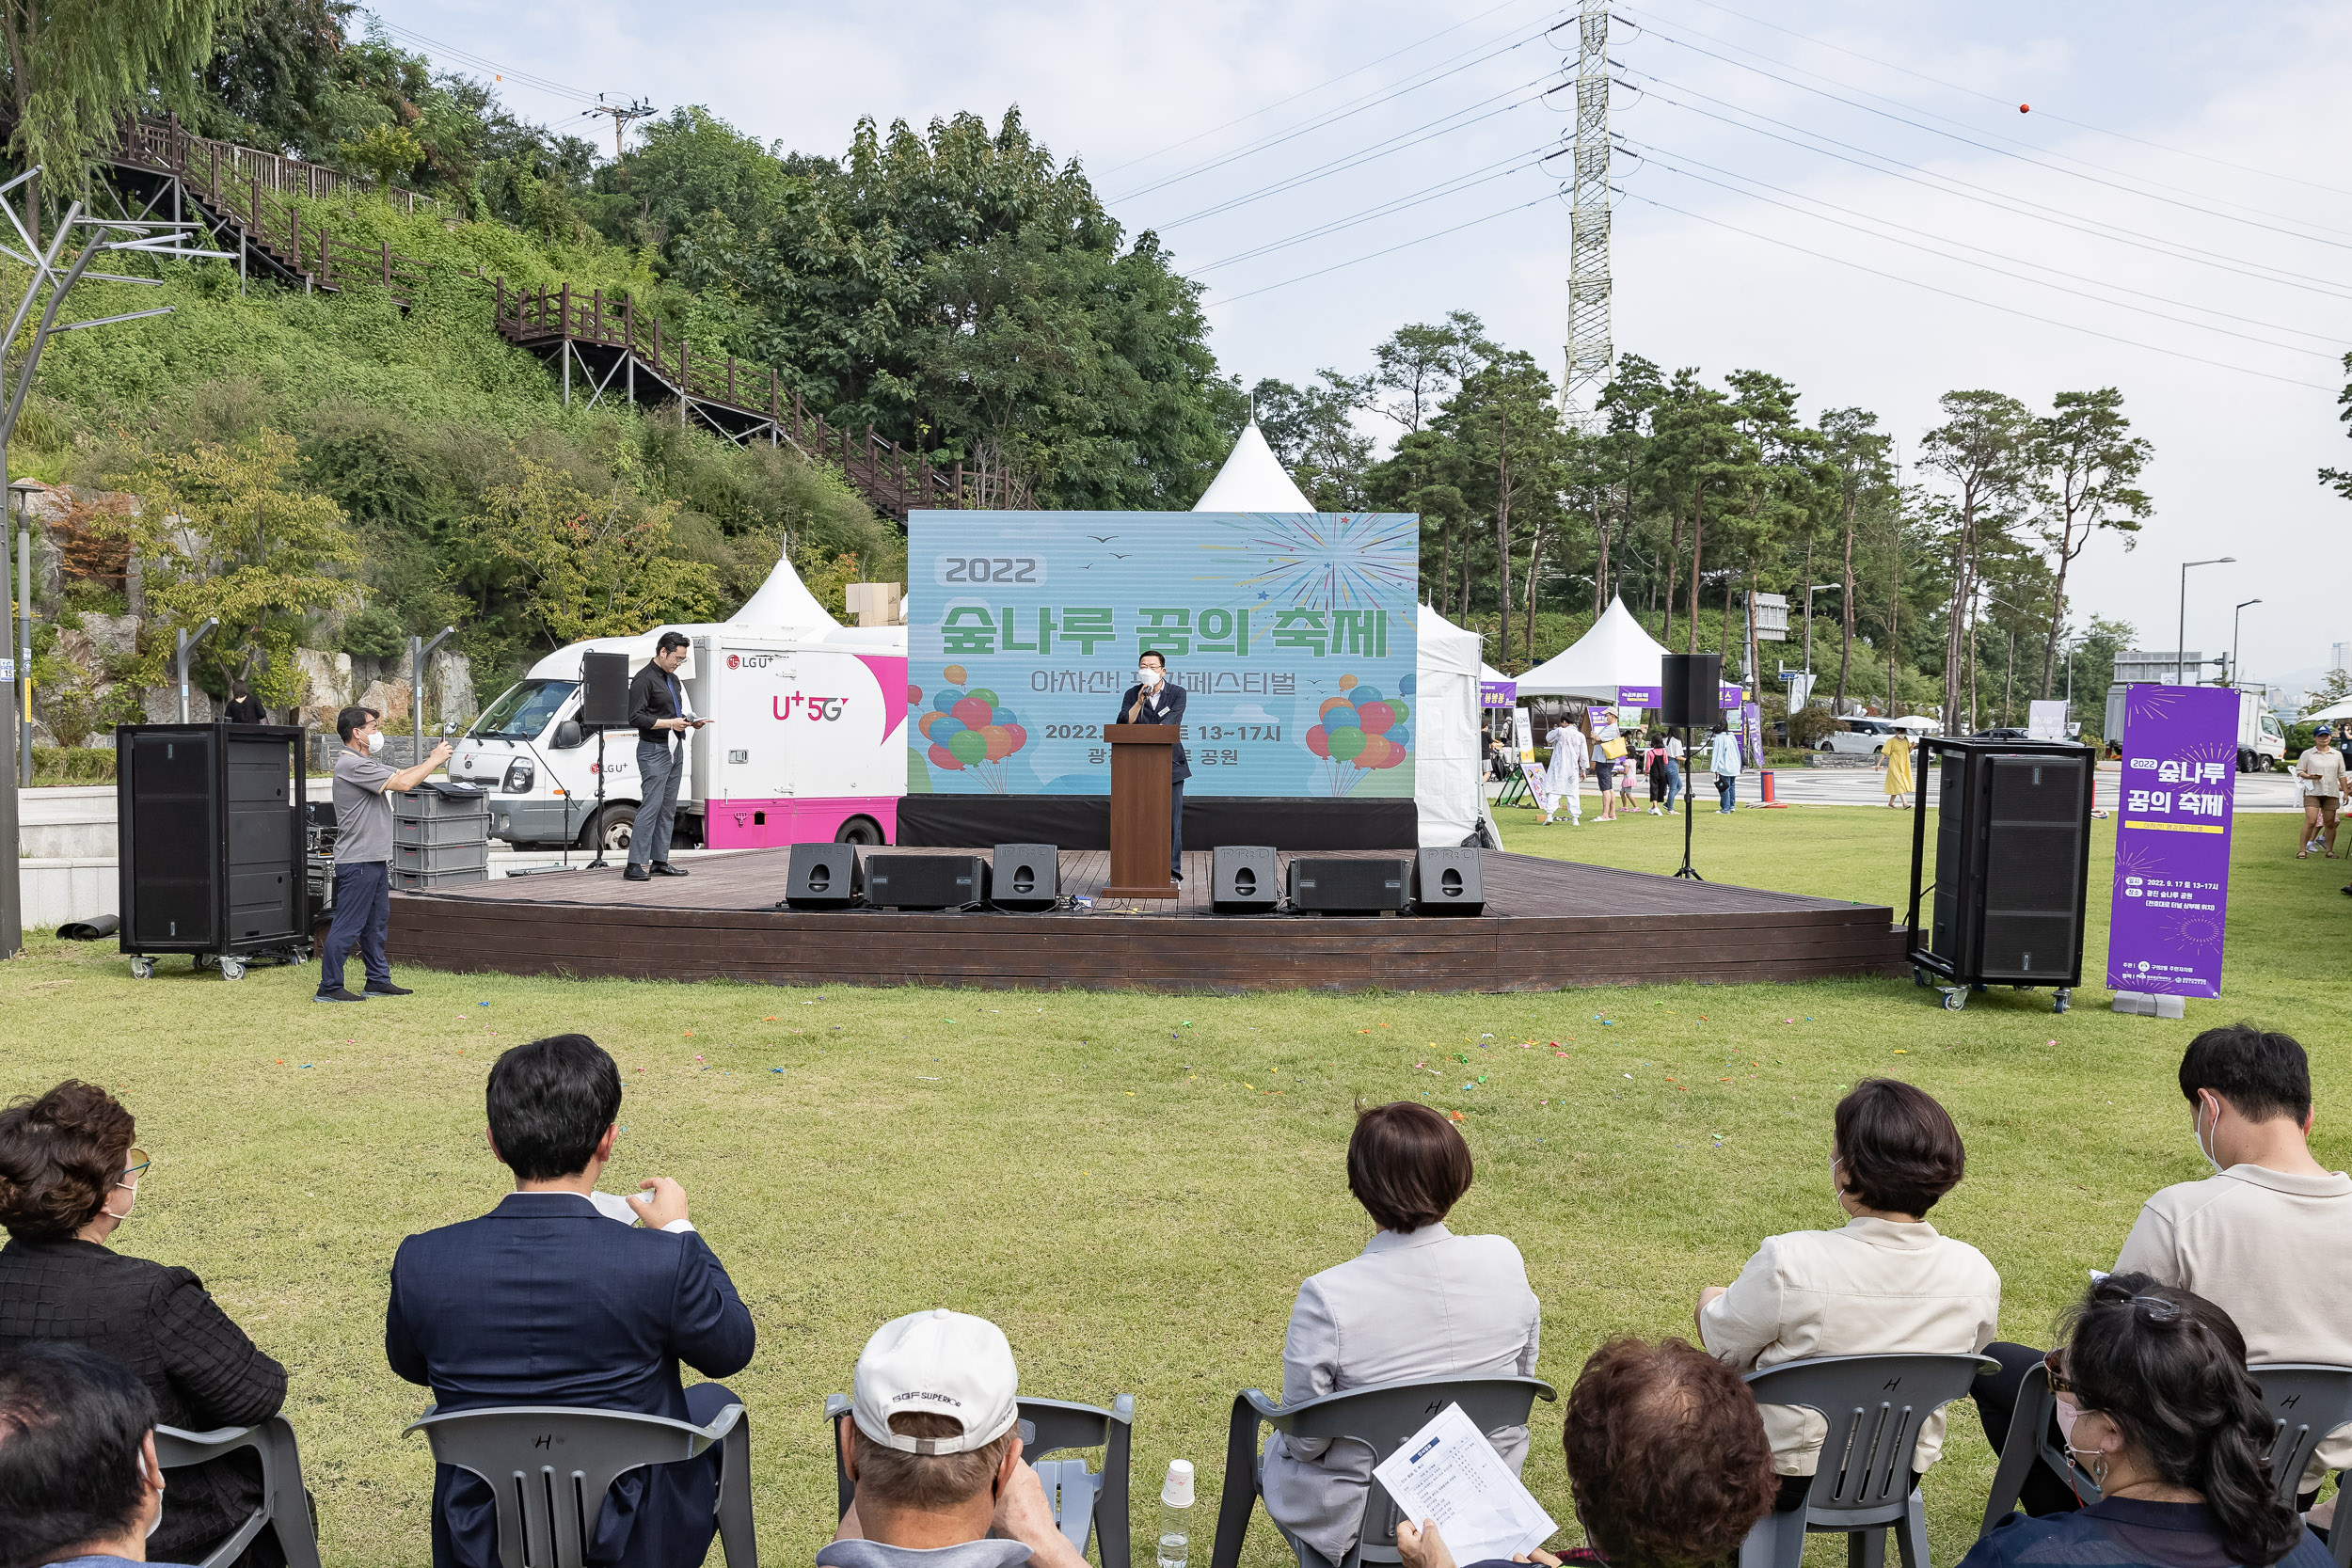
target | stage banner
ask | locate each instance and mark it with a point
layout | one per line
(1292, 635)
(1498, 693)
(2173, 840)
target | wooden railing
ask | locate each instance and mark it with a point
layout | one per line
(164, 143)
(895, 480)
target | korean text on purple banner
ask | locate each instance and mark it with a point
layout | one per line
(2173, 840)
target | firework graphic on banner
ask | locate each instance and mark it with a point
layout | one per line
(1327, 561)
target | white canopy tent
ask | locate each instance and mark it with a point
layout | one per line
(1616, 652)
(2328, 715)
(1252, 479)
(1448, 768)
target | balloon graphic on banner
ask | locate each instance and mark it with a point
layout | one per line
(968, 730)
(1361, 731)
(954, 674)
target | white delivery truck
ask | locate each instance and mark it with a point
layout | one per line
(807, 741)
(2262, 741)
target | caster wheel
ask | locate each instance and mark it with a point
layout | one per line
(142, 969)
(2061, 1002)
(1919, 977)
(232, 968)
(201, 961)
(1955, 1000)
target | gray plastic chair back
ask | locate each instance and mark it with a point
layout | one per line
(284, 1504)
(1378, 1419)
(550, 1467)
(1085, 1502)
(1875, 1406)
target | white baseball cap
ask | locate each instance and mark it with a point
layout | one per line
(948, 1363)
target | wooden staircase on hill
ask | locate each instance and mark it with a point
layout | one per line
(612, 354)
(246, 197)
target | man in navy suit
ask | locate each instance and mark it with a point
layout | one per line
(548, 1299)
(1157, 700)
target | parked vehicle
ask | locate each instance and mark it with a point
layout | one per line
(1857, 736)
(779, 676)
(2262, 741)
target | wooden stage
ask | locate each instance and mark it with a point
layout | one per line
(1548, 924)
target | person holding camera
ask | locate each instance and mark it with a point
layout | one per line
(364, 788)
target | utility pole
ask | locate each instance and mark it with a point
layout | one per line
(1589, 352)
(622, 115)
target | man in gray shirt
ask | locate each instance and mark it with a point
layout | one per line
(363, 855)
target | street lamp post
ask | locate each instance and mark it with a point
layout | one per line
(1811, 589)
(2179, 635)
(2236, 615)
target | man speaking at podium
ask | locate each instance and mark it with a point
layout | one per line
(1155, 700)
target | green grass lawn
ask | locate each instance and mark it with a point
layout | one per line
(1133, 1185)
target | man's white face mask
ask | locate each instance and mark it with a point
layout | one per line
(376, 743)
(1148, 676)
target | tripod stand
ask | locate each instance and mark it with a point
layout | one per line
(596, 817)
(1689, 770)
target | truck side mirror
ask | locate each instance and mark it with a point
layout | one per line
(568, 735)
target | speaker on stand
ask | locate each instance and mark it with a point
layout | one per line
(603, 705)
(1689, 693)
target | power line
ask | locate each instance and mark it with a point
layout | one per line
(2328, 355)
(1995, 98)
(1971, 299)
(1374, 255)
(1986, 196)
(481, 63)
(1484, 175)
(1309, 92)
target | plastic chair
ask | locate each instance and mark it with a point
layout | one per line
(1083, 1501)
(1875, 1406)
(284, 1504)
(548, 1511)
(1379, 1418)
(2306, 1401)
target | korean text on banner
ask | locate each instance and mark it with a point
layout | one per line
(2173, 840)
(1752, 734)
(1530, 769)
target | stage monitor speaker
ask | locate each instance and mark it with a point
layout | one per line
(1370, 884)
(925, 881)
(1026, 878)
(823, 876)
(2012, 862)
(603, 691)
(1447, 881)
(1243, 879)
(1690, 686)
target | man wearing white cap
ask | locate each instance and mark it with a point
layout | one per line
(932, 1447)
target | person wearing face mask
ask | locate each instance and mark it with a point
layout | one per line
(1157, 700)
(78, 1469)
(1885, 1283)
(2262, 1237)
(69, 1176)
(364, 788)
(2159, 1410)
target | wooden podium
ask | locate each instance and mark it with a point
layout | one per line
(1142, 763)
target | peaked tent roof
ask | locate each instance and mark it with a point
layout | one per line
(1616, 652)
(784, 600)
(1252, 479)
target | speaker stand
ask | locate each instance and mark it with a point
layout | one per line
(596, 817)
(1690, 774)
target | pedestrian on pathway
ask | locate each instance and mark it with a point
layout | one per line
(1722, 756)
(2320, 772)
(1674, 771)
(1563, 775)
(1655, 763)
(1897, 754)
(1598, 740)
(1626, 766)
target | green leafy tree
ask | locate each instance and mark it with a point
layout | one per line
(271, 71)
(581, 565)
(2089, 465)
(388, 152)
(1699, 446)
(1856, 453)
(1311, 430)
(1983, 451)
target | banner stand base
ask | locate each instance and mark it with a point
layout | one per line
(2150, 1005)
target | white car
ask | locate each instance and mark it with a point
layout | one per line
(1857, 736)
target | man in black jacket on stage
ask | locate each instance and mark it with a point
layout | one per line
(656, 705)
(1157, 700)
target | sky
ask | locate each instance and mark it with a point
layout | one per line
(1845, 194)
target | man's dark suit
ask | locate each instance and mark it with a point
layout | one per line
(1169, 709)
(545, 1301)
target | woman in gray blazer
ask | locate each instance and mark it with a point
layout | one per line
(1419, 1302)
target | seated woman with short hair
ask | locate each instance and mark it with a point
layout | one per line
(1419, 1302)
(1885, 1283)
(69, 1176)
(2158, 1409)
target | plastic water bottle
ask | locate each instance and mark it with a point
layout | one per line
(1176, 1516)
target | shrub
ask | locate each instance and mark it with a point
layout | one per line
(1810, 725)
(373, 632)
(81, 765)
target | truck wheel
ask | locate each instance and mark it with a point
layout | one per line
(610, 830)
(2245, 762)
(859, 829)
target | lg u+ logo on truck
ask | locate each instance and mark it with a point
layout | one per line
(817, 710)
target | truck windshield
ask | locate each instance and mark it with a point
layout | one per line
(523, 712)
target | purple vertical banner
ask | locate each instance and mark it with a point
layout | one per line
(2173, 840)
(1752, 727)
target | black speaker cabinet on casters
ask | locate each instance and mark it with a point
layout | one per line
(210, 838)
(1026, 878)
(925, 881)
(1689, 684)
(1244, 880)
(1446, 881)
(1371, 884)
(823, 876)
(2013, 855)
(603, 691)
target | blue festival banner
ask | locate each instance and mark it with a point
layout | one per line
(1292, 635)
(2173, 840)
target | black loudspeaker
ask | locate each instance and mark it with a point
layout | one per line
(211, 829)
(603, 691)
(823, 876)
(1371, 884)
(2012, 852)
(1446, 881)
(1243, 879)
(1025, 876)
(1690, 684)
(925, 881)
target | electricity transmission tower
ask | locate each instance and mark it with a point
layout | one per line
(1588, 349)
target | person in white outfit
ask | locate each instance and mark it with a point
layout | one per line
(1722, 757)
(1563, 775)
(1419, 1302)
